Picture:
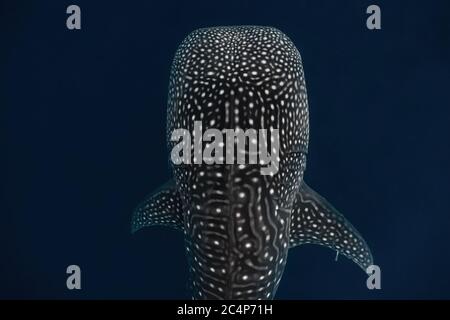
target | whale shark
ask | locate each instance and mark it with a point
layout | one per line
(239, 224)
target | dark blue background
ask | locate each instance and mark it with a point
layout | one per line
(83, 141)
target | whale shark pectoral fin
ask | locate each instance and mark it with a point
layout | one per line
(161, 208)
(314, 220)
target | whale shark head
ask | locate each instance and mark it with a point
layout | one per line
(238, 130)
(236, 218)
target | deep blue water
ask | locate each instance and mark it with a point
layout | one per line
(83, 141)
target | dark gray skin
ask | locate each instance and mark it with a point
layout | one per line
(238, 223)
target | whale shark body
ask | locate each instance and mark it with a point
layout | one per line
(239, 224)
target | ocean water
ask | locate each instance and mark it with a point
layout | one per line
(83, 128)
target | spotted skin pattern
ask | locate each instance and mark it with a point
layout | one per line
(316, 221)
(239, 224)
